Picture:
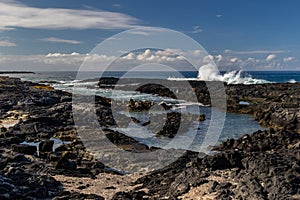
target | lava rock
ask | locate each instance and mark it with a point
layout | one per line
(25, 149)
(46, 146)
(66, 164)
(201, 117)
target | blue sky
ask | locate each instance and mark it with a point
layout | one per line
(252, 35)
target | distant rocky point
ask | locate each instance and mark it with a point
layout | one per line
(16, 72)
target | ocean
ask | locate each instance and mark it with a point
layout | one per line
(232, 125)
(239, 76)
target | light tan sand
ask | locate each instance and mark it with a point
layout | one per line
(201, 192)
(11, 121)
(105, 185)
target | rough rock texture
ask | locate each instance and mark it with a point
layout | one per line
(275, 105)
(262, 165)
(272, 105)
(256, 169)
(34, 113)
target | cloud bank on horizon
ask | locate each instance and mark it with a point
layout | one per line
(64, 35)
(72, 61)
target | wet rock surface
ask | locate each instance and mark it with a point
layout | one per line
(272, 105)
(262, 165)
(74, 195)
(26, 170)
(255, 167)
(275, 105)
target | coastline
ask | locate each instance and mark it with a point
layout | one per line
(243, 168)
(16, 72)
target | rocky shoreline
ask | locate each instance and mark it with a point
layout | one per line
(262, 165)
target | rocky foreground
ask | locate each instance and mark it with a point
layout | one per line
(262, 165)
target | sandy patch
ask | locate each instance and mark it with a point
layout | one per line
(201, 192)
(14, 119)
(105, 185)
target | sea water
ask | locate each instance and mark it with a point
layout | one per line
(239, 76)
(232, 124)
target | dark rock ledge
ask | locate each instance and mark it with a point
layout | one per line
(263, 165)
(252, 167)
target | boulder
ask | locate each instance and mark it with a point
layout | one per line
(46, 146)
(201, 117)
(66, 164)
(25, 149)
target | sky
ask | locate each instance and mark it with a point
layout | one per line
(237, 34)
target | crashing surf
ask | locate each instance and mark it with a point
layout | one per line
(208, 73)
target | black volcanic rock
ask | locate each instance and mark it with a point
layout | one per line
(66, 195)
(122, 196)
(46, 146)
(28, 187)
(171, 126)
(275, 105)
(16, 72)
(257, 169)
(224, 160)
(262, 165)
(66, 164)
(125, 142)
(24, 148)
(156, 89)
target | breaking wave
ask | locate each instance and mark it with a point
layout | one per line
(292, 81)
(208, 73)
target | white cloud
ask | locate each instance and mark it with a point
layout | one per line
(130, 56)
(168, 52)
(144, 33)
(6, 43)
(250, 59)
(181, 58)
(218, 16)
(288, 59)
(144, 55)
(158, 56)
(15, 14)
(193, 53)
(233, 60)
(54, 61)
(208, 59)
(170, 57)
(71, 61)
(59, 40)
(75, 54)
(271, 57)
(197, 29)
(229, 61)
(74, 59)
(219, 57)
(52, 55)
(228, 51)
